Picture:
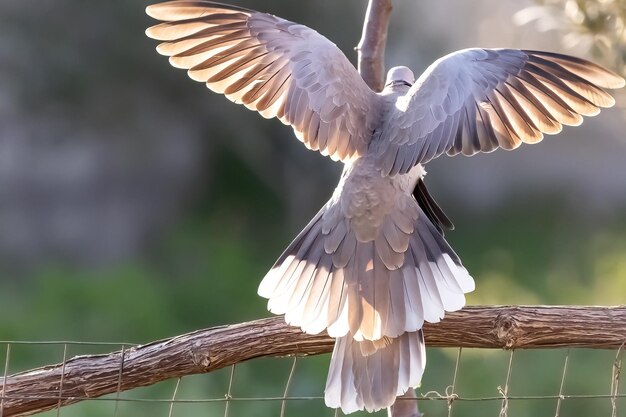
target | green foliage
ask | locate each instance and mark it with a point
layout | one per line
(594, 25)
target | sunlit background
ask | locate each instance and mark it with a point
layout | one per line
(136, 205)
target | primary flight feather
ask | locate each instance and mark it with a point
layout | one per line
(373, 264)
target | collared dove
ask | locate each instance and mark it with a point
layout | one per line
(373, 265)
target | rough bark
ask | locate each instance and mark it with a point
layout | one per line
(203, 351)
(371, 47)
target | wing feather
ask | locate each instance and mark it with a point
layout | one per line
(477, 100)
(276, 67)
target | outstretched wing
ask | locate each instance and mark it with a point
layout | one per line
(477, 100)
(276, 67)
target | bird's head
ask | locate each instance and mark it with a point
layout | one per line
(399, 76)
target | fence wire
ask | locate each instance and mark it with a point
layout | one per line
(246, 388)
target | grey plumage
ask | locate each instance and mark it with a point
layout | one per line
(373, 265)
(477, 100)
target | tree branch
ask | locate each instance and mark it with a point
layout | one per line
(371, 47)
(204, 351)
(405, 408)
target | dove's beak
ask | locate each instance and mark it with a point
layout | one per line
(398, 82)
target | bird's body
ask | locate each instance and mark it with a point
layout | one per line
(373, 264)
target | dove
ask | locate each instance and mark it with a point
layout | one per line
(373, 265)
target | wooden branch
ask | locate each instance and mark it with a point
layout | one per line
(405, 408)
(204, 351)
(371, 47)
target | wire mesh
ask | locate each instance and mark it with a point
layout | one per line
(458, 382)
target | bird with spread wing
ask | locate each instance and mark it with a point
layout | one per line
(373, 265)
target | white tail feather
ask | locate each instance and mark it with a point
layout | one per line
(372, 295)
(369, 375)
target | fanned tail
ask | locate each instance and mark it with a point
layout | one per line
(329, 279)
(372, 291)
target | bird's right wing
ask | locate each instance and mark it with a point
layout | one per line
(271, 65)
(478, 100)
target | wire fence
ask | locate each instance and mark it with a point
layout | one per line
(457, 382)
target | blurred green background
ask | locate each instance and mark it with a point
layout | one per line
(135, 205)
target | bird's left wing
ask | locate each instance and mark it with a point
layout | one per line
(477, 100)
(271, 65)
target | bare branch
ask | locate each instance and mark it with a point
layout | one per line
(371, 47)
(402, 408)
(204, 351)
